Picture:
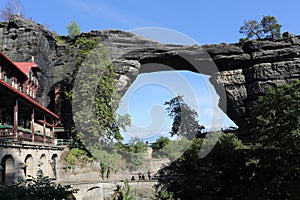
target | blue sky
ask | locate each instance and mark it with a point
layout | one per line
(207, 22)
(190, 21)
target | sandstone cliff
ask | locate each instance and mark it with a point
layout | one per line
(239, 73)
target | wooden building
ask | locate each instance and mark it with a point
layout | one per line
(22, 117)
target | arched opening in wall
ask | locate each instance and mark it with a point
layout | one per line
(53, 166)
(156, 84)
(8, 170)
(29, 169)
(43, 164)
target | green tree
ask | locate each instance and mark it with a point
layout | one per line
(123, 193)
(109, 159)
(217, 176)
(270, 27)
(172, 149)
(268, 169)
(276, 119)
(163, 195)
(94, 97)
(158, 145)
(267, 28)
(39, 188)
(133, 153)
(73, 29)
(252, 29)
(185, 119)
(276, 130)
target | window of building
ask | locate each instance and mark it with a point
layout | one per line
(0, 72)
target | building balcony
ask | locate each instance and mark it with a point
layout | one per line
(6, 132)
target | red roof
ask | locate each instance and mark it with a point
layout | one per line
(24, 96)
(26, 66)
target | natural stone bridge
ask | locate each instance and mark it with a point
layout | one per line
(239, 73)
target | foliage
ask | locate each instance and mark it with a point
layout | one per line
(278, 126)
(117, 156)
(159, 144)
(133, 153)
(73, 29)
(270, 27)
(135, 145)
(268, 169)
(85, 46)
(39, 188)
(267, 28)
(123, 193)
(94, 95)
(12, 7)
(110, 160)
(76, 156)
(185, 122)
(163, 195)
(173, 149)
(251, 29)
(58, 38)
(190, 177)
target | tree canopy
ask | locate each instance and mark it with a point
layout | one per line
(185, 119)
(268, 27)
(266, 169)
(39, 188)
(73, 29)
(94, 97)
(276, 117)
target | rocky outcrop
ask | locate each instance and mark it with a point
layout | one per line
(239, 73)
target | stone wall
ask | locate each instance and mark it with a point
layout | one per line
(25, 159)
(141, 190)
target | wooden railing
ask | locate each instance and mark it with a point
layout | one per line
(6, 131)
(25, 136)
(63, 142)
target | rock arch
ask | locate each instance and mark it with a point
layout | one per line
(239, 73)
(244, 70)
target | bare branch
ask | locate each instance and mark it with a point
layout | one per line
(12, 7)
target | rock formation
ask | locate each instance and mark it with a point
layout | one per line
(239, 73)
